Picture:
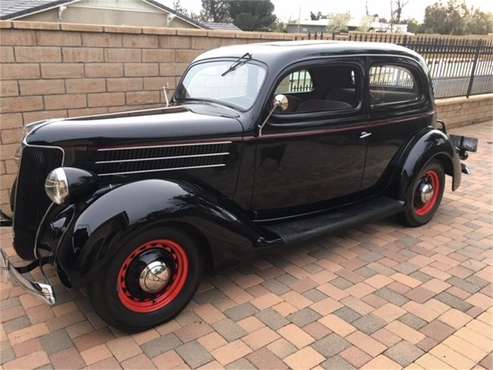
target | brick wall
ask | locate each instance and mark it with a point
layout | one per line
(50, 70)
(463, 111)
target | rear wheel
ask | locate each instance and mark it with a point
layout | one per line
(424, 195)
(150, 280)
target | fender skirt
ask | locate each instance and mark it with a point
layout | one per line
(109, 221)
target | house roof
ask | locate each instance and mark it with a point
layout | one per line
(12, 9)
(310, 22)
(172, 11)
(220, 26)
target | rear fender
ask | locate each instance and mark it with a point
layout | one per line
(114, 218)
(428, 145)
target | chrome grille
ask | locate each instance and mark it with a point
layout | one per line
(31, 200)
(160, 158)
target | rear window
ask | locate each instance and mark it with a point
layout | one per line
(392, 84)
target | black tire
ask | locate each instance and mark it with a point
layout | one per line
(110, 300)
(416, 212)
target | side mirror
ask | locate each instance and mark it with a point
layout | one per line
(281, 102)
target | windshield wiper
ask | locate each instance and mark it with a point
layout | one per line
(240, 61)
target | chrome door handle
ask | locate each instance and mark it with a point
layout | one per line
(364, 134)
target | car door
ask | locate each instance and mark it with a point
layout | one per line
(399, 107)
(312, 155)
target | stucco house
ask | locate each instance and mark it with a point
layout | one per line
(321, 26)
(307, 26)
(107, 12)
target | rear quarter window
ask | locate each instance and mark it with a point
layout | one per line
(392, 84)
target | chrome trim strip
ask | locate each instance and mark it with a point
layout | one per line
(162, 146)
(40, 227)
(126, 113)
(24, 143)
(160, 158)
(162, 169)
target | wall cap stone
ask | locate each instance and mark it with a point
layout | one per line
(463, 99)
(23, 25)
(122, 29)
(82, 27)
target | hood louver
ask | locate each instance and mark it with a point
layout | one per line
(160, 158)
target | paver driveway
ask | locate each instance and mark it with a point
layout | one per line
(380, 296)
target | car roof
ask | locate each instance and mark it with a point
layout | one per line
(285, 52)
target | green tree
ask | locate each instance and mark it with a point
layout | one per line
(339, 22)
(279, 26)
(397, 6)
(252, 15)
(455, 18)
(215, 11)
(450, 19)
(480, 23)
(179, 8)
(413, 26)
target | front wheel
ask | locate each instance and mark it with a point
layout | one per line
(424, 195)
(149, 281)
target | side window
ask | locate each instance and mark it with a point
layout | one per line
(333, 88)
(296, 82)
(392, 84)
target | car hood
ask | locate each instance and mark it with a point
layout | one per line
(152, 125)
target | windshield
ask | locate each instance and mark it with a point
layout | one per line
(207, 81)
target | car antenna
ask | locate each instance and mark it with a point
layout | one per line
(165, 93)
(241, 60)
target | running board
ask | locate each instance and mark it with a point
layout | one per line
(306, 228)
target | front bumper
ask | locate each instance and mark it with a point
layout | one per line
(5, 220)
(41, 290)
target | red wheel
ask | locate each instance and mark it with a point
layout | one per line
(152, 276)
(150, 279)
(427, 193)
(424, 195)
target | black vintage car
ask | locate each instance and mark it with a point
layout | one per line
(262, 145)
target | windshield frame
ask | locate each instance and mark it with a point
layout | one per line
(222, 102)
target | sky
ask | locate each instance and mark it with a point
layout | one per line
(291, 9)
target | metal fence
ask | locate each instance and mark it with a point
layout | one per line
(458, 66)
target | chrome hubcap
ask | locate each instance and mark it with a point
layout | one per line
(154, 277)
(426, 192)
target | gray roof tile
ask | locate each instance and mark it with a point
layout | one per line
(13, 8)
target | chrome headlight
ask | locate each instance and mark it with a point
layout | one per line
(69, 183)
(56, 186)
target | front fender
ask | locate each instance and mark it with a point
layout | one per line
(111, 219)
(428, 145)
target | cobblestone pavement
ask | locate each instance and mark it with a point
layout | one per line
(379, 296)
